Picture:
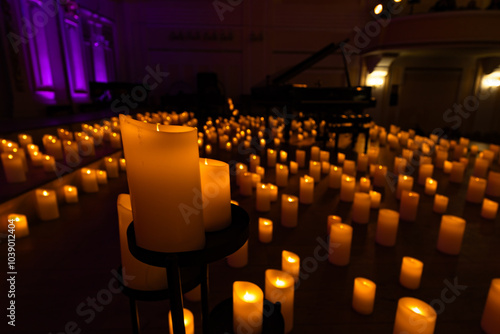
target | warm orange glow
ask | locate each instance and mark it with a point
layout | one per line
(70, 189)
(114, 134)
(88, 171)
(35, 153)
(206, 162)
(291, 259)
(279, 282)
(45, 193)
(110, 159)
(47, 157)
(378, 9)
(416, 310)
(24, 137)
(86, 138)
(248, 297)
(9, 144)
(10, 156)
(290, 199)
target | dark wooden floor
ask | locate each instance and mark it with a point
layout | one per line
(66, 263)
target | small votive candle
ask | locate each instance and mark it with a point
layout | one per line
(362, 163)
(399, 165)
(405, 182)
(361, 208)
(440, 203)
(425, 171)
(46, 204)
(290, 263)
(411, 272)
(379, 176)
(493, 187)
(363, 295)
(335, 177)
(414, 316)
(300, 157)
(246, 184)
(430, 186)
(490, 320)
(409, 205)
(123, 164)
(480, 167)
(364, 184)
(271, 157)
(489, 209)
(387, 227)
(254, 162)
(347, 188)
(375, 198)
(340, 244)
(89, 180)
(281, 175)
(340, 158)
(307, 190)
(447, 166)
(13, 168)
(265, 230)
(111, 166)
(208, 149)
(451, 233)
(283, 157)
(261, 171)
(294, 167)
(20, 224)
(475, 190)
(102, 177)
(70, 194)
(49, 163)
(289, 210)
(457, 172)
(315, 170)
(349, 167)
(332, 219)
(273, 190)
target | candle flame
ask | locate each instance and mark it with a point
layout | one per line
(416, 310)
(10, 156)
(88, 171)
(279, 282)
(100, 172)
(17, 219)
(110, 159)
(86, 138)
(32, 147)
(206, 162)
(157, 126)
(45, 193)
(248, 297)
(35, 153)
(68, 142)
(267, 222)
(241, 167)
(281, 166)
(9, 144)
(70, 189)
(114, 134)
(47, 157)
(24, 137)
(291, 259)
(290, 199)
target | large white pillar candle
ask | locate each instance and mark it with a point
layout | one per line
(475, 190)
(265, 230)
(248, 307)
(146, 277)
(411, 272)
(290, 263)
(440, 203)
(280, 287)
(489, 209)
(379, 176)
(457, 172)
(335, 177)
(361, 208)
(163, 175)
(363, 295)
(271, 157)
(289, 210)
(347, 186)
(263, 198)
(239, 259)
(493, 187)
(451, 233)
(315, 170)
(490, 320)
(20, 224)
(281, 175)
(409, 205)
(111, 166)
(188, 321)
(424, 171)
(46, 204)
(306, 189)
(414, 316)
(405, 182)
(13, 168)
(300, 157)
(216, 194)
(387, 227)
(340, 244)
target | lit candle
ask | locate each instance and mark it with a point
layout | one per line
(265, 230)
(414, 316)
(146, 277)
(261, 171)
(489, 209)
(349, 167)
(332, 219)
(379, 176)
(447, 166)
(71, 155)
(440, 203)
(490, 320)
(387, 227)
(49, 163)
(340, 158)
(409, 205)
(273, 191)
(315, 152)
(290, 263)
(300, 157)
(254, 162)
(263, 198)
(111, 166)
(281, 175)
(362, 164)
(289, 210)
(411, 272)
(13, 168)
(399, 165)
(335, 177)
(248, 307)
(424, 172)
(70, 194)
(239, 259)
(324, 156)
(375, 198)
(246, 184)
(315, 170)
(294, 167)
(361, 208)
(115, 140)
(480, 167)
(457, 172)
(240, 169)
(208, 149)
(364, 184)
(36, 158)
(307, 190)
(188, 321)
(493, 187)
(271, 157)
(20, 153)
(340, 244)
(451, 233)
(89, 180)
(347, 188)
(363, 295)
(86, 146)
(24, 139)
(20, 224)
(7, 146)
(441, 157)
(123, 164)
(46, 204)
(229, 146)
(476, 190)
(102, 177)
(325, 167)
(283, 157)
(373, 153)
(430, 186)
(280, 287)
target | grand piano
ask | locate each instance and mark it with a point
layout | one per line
(335, 105)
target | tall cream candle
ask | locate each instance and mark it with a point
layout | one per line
(89, 180)
(294, 167)
(409, 205)
(363, 295)
(281, 175)
(405, 182)
(387, 227)
(493, 187)
(332, 219)
(315, 170)
(457, 172)
(424, 171)
(111, 166)
(265, 230)
(361, 208)
(364, 184)
(440, 203)
(263, 198)
(340, 244)
(430, 186)
(347, 187)
(375, 198)
(476, 190)
(280, 287)
(300, 157)
(290, 263)
(289, 210)
(13, 168)
(248, 307)
(451, 233)
(46, 204)
(480, 167)
(335, 177)
(490, 320)
(246, 184)
(349, 167)
(379, 177)
(271, 157)
(306, 190)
